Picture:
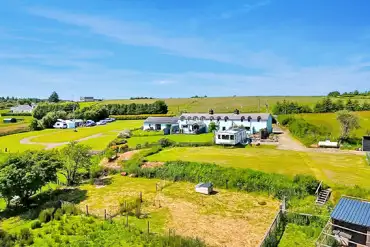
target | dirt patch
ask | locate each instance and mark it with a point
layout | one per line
(152, 164)
(128, 155)
(215, 230)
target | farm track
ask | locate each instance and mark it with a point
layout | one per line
(28, 141)
(287, 142)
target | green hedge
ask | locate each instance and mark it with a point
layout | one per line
(21, 114)
(139, 117)
(243, 179)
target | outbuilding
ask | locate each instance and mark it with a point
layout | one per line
(204, 188)
(9, 120)
(366, 143)
(159, 123)
(349, 224)
(231, 137)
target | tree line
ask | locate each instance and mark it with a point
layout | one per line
(348, 94)
(323, 106)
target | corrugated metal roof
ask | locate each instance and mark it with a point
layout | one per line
(162, 120)
(352, 211)
(231, 116)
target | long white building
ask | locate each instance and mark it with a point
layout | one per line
(251, 122)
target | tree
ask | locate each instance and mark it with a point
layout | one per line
(212, 127)
(348, 121)
(76, 162)
(54, 97)
(36, 125)
(334, 94)
(23, 174)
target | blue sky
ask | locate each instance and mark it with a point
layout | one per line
(166, 48)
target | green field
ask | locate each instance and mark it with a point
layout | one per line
(328, 120)
(343, 169)
(220, 104)
(135, 140)
(22, 122)
(299, 236)
(106, 134)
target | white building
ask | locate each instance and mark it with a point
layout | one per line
(23, 108)
(159, 123)
(231, 137)
(251, 122)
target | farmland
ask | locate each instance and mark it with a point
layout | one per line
(328, 121)
(22, 123)
(225, 219)
(344, 169)
(135, 140)
(219, 104)
(102, 135)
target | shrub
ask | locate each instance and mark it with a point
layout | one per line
(35, 224)
(46, 215)
(36, 125)
(70, 209)
(6, 239)
(20, 114)
(58, 214)
(25, 237)
(164, 142)
(124, 134)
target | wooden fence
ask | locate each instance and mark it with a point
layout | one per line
(275, 231)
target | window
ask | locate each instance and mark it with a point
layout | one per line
(225, 137)
(232, 137)
(185, 126)
(219, 137)
(223, 128)
(248, 128)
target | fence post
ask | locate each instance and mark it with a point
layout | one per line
(126, 219)
(87, 210)
(283, 208)
(148, 227)
(105, 214)
(141, 196)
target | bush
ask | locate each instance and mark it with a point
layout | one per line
(43, 109)
(139, 117)
(6, 239)
(124, 134)
(46, 215)
(20, 114)
(25, 237)
(35, 224)
(36, 125)
(70, 209)
(164, 142)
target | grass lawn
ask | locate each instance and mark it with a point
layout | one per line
(221, 104)
(108, 132)
(344, 169)
(226, 218)
(300, 236)
(135, 140)
(328, 120)
(66, 135)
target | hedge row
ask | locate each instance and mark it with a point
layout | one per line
(139, 117)
(21, 114)
(243, 179)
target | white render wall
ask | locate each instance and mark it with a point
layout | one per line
(254, 125)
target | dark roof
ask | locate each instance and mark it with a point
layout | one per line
(352, 211)
(231, 116)
(162, 120)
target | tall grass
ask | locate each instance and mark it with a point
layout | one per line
(243, 179)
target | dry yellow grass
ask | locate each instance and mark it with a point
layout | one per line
(224, 219)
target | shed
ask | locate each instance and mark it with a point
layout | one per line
(9, 120)
(159, 123)
(350, 219)
(204, 188)
(366, 143)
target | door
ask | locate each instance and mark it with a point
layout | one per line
(157, 127)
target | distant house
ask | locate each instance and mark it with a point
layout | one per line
(231, 137)
(87, 99)
(350, 222)
(23, 108)
(160, 123)
(251, 122)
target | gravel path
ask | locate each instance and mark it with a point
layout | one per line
(287, 142)
(51, 145)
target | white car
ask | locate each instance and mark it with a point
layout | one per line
(102, 122)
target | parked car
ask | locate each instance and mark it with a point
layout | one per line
(101, 122)
(109, 120)
(60, 125)
(90, 123)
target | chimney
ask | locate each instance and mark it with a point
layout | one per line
(210, 111)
